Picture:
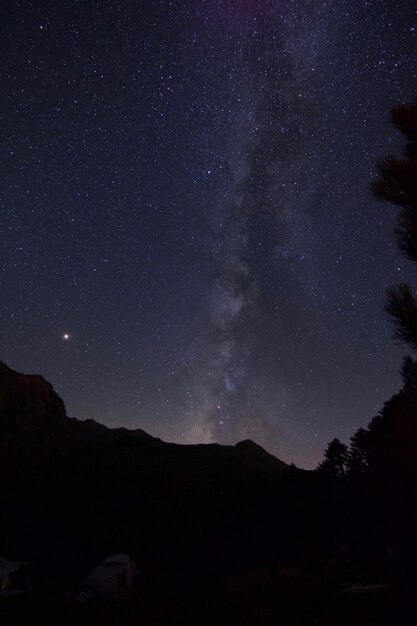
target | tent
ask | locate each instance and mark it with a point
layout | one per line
(113, 579)
(15, 577)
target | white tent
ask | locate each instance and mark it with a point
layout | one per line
(15, 577)
(113, 579)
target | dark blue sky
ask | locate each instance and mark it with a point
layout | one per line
(186, 194)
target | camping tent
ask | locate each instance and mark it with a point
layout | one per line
(15, 577)
(113, 579)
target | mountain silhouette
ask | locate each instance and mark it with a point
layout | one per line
(75, 490)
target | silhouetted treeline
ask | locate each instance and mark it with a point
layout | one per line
(374, 480)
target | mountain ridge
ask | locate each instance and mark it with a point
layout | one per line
(75, 491)
(28, 402)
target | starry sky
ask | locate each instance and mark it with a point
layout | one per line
(188, 240)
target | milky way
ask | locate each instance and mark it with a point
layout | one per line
(189, 244)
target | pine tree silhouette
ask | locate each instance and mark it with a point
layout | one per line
(397, 183)
(335, 459)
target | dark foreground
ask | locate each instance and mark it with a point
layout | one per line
(286, 598)
(220, 534)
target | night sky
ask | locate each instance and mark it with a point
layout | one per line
(188, 240)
